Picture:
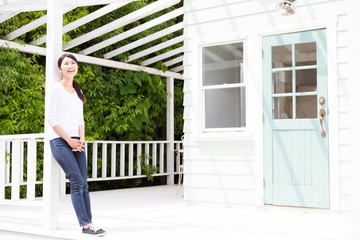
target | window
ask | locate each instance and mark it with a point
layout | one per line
(294, 81)
(224, 87)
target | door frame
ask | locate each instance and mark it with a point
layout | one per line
(334, 165)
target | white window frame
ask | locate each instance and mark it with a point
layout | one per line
(224, 86)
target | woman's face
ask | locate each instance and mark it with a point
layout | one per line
(68, 68)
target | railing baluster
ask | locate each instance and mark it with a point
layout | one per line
(31, 169)
(147, 147)
(138, 159)
(94, 160)
(161, 157)
(104, 160)
(2, 169)
(122, 159)
(7, 163)
(15, 170)
(178, 157)
(131, 159)
(154, 154)
(86, 150)
(21, 171)
(113, 159)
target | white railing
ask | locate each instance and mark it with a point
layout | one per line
(21, 162)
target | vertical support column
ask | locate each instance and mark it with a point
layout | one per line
(354, 99)
(170, 130)
(51, 183)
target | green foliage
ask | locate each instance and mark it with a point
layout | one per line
(21, 93)
(146, 168)
(122, 104)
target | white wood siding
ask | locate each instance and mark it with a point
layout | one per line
(344, 114)
(226, 168)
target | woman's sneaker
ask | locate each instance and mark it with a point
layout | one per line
(94, 231)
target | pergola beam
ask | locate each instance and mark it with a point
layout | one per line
(141, 13)
(174, 61)
(131, 32)
(88, 18)
(145, 40)
(154, 49)
(30, 26)
(6, 16)
(125, 66)
(39, 5)
(92, 60)
(177, 69)
(163, 56)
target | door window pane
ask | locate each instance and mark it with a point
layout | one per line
(306, 80)
(223, 64)
(225, 108)
(306, 107)
(282, 82)
(283, 107)
(281, 56)
(305, 54)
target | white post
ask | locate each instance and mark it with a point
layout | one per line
(354, 83)
(51, 168)
(170, 129)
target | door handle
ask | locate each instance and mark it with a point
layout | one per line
(322, 115)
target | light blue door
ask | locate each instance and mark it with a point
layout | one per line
(296, 164)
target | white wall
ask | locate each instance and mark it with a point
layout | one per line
(226, 168)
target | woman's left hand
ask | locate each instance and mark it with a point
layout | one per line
(81, 148)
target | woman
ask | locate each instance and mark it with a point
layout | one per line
(65, 116)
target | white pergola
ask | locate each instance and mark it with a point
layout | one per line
(54, 48)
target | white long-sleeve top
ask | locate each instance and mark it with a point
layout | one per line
(64, 109)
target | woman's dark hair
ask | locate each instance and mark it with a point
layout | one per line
(75, 84)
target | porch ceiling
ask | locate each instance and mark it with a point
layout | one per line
(101, 46)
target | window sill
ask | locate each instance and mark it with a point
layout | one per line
(224, 136)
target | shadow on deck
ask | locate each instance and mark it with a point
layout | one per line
(159, 213)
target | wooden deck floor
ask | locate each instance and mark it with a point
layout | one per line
(159, 213)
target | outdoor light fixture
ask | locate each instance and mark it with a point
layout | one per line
(285, 8)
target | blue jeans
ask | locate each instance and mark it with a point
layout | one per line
(75, 168)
